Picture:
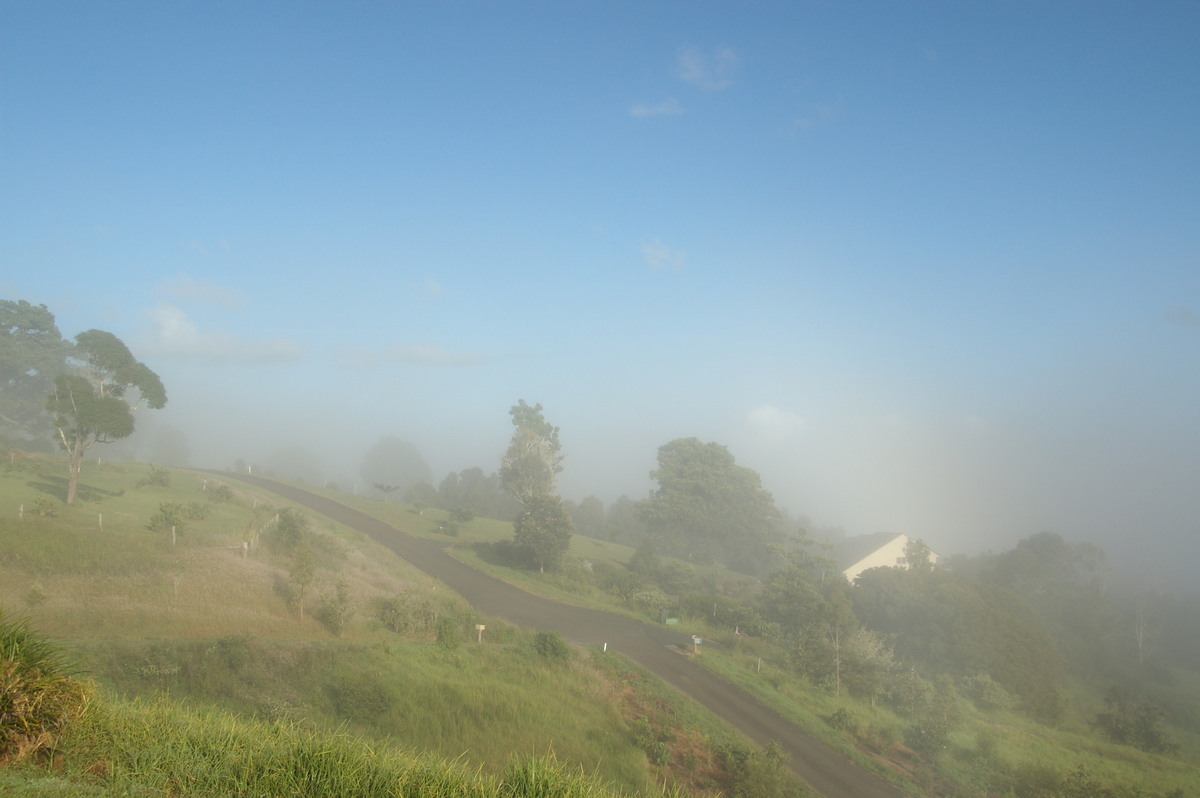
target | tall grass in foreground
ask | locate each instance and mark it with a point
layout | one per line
(38, 699)
(160, 745)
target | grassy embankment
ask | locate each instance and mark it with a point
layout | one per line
(193, 617)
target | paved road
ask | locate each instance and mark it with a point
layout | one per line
(824, 769)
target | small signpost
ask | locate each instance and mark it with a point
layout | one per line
(479, 631)
(696, 641)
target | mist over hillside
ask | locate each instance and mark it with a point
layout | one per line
(930, 270)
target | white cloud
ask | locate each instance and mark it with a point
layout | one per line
(667, 107)
(178, 336)
(712, 71)
(772, 422)
(660, 257)
(202, 291)
(416, 354)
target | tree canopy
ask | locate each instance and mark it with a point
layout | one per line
(709, 509)
(532, 462)
(32, 353)
(529, 471)
(95, 405)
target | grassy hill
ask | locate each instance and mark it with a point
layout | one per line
(193, 630)
(172, 585)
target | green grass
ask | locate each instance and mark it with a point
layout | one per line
(199, 622)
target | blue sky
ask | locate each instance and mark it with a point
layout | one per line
(928, 267)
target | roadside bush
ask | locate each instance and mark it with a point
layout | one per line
(551, 647)
(449, 633)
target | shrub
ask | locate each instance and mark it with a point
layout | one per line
(45, 507)
(170, 515)
(36, 596)
(449, 633)
(195, 511)
(551, 646)
(1136, 723)
(986, 693)
(335, 610)
(38, 698)
(160, 477)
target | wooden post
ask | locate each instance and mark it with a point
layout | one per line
(172, 534)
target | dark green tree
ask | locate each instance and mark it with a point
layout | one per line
(32, 353)
(708, 509)
(543, 530)
(96, 404)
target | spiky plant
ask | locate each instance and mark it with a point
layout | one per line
(38, 696)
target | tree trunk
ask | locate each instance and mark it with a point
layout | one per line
(74, 466)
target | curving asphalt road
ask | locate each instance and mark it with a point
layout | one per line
(827, 771)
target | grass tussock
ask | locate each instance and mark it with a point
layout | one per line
(38, 697)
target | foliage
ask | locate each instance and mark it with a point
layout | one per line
(1131, 722)
(45, 507)
(530, 466)
(38, 698)
(160, 477)
(407, 614)
(32, 352)
(449, 632)
(335, 609)
(93, 406)
(945, 624)
(169, 516)
(291, 530)
(301, 575)
(550, 646)
(759, 773)
(221, 494)
(543, 530)
(707, 509)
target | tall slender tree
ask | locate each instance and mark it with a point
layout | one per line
(529, 472)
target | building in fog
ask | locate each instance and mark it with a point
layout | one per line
(881, 550)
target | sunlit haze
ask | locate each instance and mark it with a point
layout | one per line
(930, 268)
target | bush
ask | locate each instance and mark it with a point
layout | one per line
(986, 693)
(159, 477)
(221, 494)
(170, 515)
(551, 646)
(449, 633)
(335, 610)
(45, 507)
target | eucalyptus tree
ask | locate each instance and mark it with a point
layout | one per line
(95, 403)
